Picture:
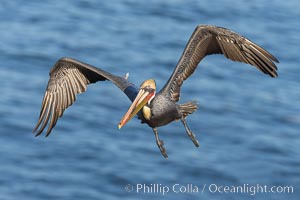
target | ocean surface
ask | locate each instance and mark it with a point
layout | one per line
(248, 124)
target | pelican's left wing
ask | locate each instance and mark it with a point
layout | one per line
(69, 77)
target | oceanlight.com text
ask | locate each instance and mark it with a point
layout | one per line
(250, 189)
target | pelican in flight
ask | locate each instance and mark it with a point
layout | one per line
(69, 77)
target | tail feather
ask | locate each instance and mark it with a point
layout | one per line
(188, 108)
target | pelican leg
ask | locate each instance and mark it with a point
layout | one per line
(160, 143)
(190, 133)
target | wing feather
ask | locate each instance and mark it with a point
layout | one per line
(207, 40)
(69, 77)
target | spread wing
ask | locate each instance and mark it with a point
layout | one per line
(69, 77)
(207, 40)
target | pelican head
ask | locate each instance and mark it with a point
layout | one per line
(144, 96)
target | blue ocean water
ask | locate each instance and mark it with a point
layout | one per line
(248, 124)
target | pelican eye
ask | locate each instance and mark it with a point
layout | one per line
(148, 89)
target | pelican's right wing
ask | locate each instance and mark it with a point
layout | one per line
(69, 77)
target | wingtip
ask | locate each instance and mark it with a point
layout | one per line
(37, 134)
(274, 74)
(273, 58)
(34, 131)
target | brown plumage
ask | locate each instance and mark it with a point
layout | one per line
(70, 77)
(207, 40)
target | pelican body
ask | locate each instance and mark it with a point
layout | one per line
(69, 77)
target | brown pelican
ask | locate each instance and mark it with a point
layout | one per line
(69, 77)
